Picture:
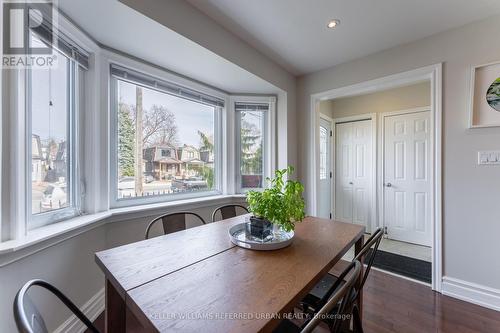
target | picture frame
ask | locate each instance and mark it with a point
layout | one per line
(481, 113)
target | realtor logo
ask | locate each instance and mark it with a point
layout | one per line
(21, 21)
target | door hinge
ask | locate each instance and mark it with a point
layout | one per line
(331, 133)
(385, 230)
(330, 215)
(331, 174)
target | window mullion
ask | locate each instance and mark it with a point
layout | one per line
(18, 154)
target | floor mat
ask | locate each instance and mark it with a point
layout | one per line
(406, 266)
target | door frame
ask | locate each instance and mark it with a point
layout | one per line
(372, 117)
(381, 160)
(332, 160)
(432, 73)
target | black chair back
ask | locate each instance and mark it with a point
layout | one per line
(344, 289)
(172, 222)
(228, 211)
(372, 243)
(28, 318)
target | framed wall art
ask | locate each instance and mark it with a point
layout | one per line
(484, 100)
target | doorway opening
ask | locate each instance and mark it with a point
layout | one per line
(383, 158)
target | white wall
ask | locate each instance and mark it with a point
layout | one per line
(471, 194)
(401, 98)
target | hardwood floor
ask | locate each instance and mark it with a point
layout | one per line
(395, 305)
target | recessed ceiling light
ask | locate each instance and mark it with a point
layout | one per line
(333, 23)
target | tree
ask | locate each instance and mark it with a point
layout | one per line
(207, 144)
(159, 127)
(139, 137)
(126, 136)
(250, 159)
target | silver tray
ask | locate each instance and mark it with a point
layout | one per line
(278, 240)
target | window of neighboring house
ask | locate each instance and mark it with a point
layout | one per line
(52, 93)
(151, 113)
(165, 153)
(252, 144)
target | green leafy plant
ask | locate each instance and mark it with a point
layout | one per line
(281, 203)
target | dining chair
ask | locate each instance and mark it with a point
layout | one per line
(340, 306)
(319, 294)
(228, 211)
(172, 222)
(28, 318)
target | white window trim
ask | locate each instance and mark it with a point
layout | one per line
(269, 138)
(220, 169)
(73, 123)
(17, 220)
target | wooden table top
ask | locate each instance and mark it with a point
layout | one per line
(220, 287)
(134, 264)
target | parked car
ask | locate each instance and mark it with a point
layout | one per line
(192, 183)
(126, 183)
(54, 197)
(148, 179)
(126, 187)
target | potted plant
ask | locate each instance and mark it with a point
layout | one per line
(281, 204)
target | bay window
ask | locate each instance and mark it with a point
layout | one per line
(166, 139)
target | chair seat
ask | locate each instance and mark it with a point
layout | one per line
(317, 296)
(323, 286)
(286, 326)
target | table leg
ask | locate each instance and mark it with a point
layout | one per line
(115, 310)
(357, 248)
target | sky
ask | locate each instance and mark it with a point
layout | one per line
(49, 120)
(190, 117)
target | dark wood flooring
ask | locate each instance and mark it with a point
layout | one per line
(396, 305)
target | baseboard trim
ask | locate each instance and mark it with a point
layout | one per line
(471, 292)
(92, 309)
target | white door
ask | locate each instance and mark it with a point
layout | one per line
(407, 177)
(325, 179)
(353, 175)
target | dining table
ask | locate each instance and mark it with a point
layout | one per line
(197, 280)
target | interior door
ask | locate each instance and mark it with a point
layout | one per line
(353, 177)
(325, 180)
(407, 177)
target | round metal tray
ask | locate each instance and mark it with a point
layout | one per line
(279, 239)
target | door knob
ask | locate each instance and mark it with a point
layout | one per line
(388, 185)
(350, 183)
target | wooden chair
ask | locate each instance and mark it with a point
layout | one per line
(172, 222)
(320, 293)
(340, 306)
(228, 211)
(28, 318)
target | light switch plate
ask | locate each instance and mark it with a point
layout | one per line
(491, 157)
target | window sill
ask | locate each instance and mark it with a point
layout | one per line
(44, 237)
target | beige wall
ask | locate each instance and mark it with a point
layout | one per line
(402, 98)
(471, 193)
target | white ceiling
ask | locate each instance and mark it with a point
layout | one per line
(294, 33)
(113, 24)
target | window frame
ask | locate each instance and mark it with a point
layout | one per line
(74, 91)
(269, 139)
(16, 220)
(219, 135)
